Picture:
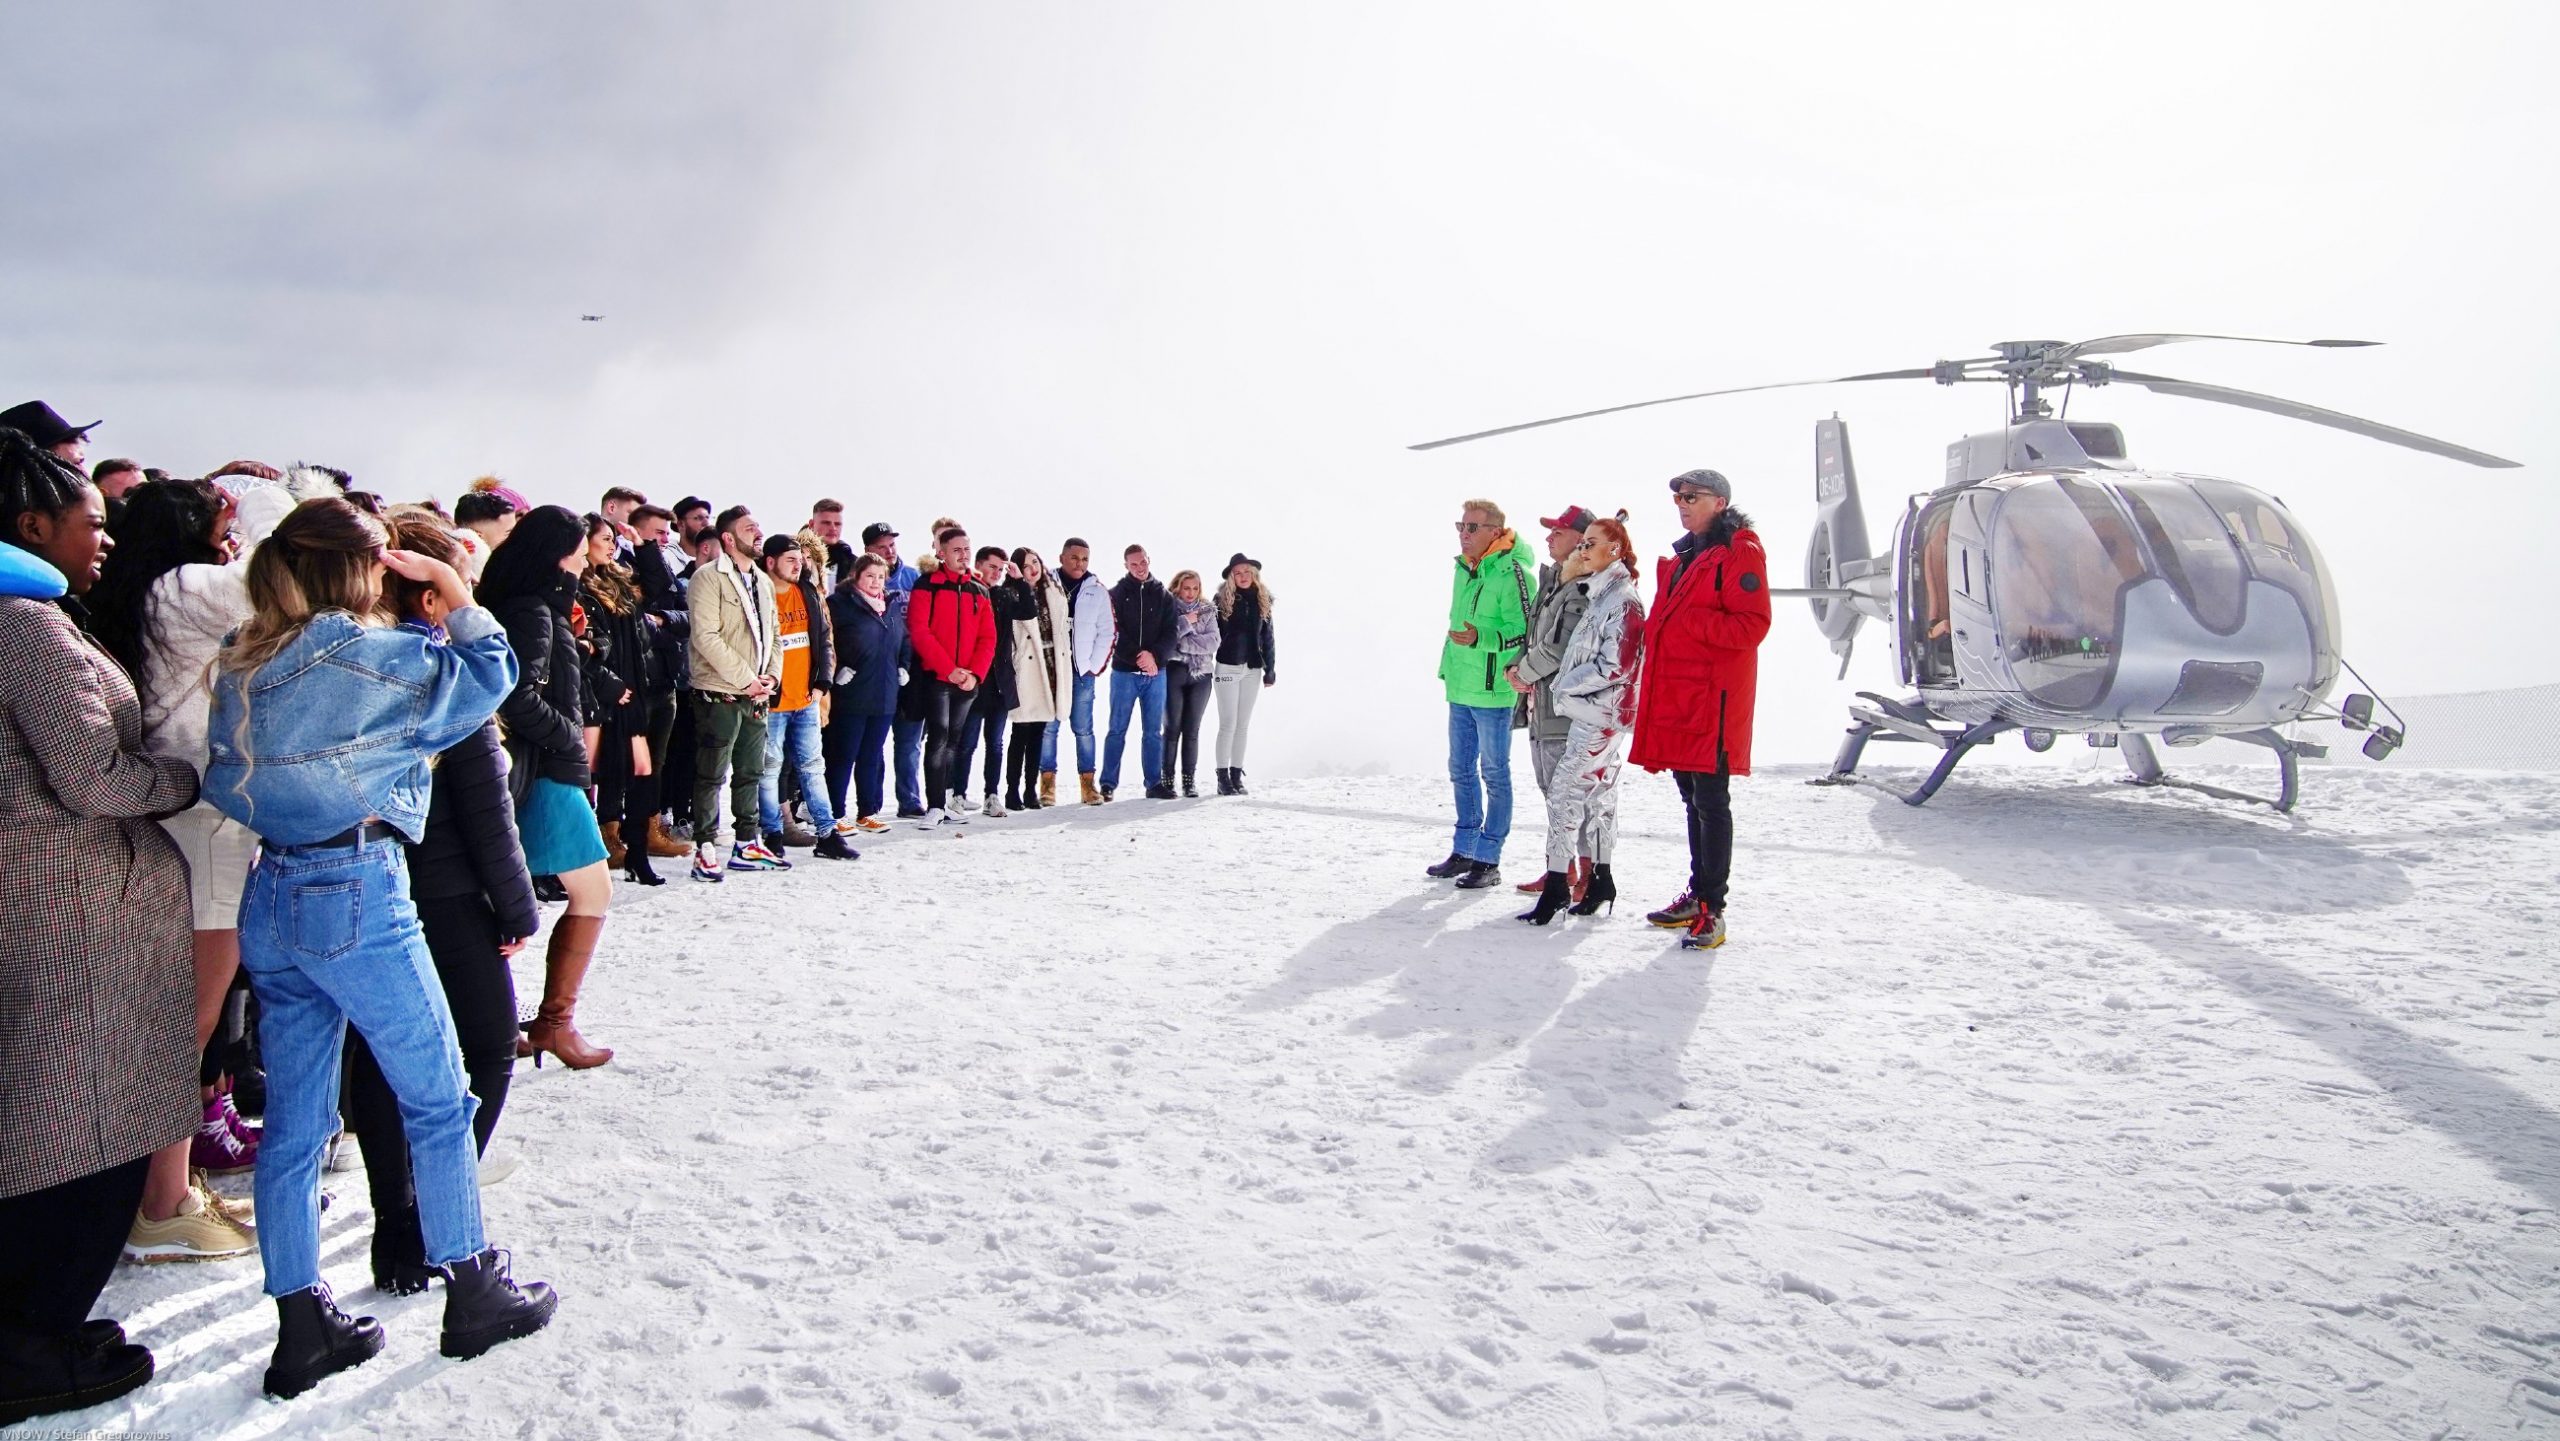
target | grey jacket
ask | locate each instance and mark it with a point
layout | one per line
(1551, 621)
(1596, 684)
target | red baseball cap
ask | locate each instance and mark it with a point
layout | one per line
(1575, 517)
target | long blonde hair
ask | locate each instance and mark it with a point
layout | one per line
(323, 556)
(1227, 594)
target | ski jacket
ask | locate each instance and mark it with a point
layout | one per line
(1493, 595)
(1702, 652)
(1595, 676)
(1551, 621)
(871, 647)
(952, 621)
(1089, 602)
(1142, 611)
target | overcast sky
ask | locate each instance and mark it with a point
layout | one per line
(1194, 275)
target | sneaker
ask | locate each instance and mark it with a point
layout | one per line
(1108, 792)
(1676, 915)
(196, 1232)
(240, 1211)
(962, 803)
(994, 807)
(706, 863)
(756, 856)
(497, 1164)
(835, 849)
(873, 825)
(930, 819)
(232, 1118)
(847, 829)
(1706, 931)
(215, 1150)
(1480, 876)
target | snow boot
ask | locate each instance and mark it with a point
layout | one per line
(314, 1339)
(1599, 888)
(483, 1305)
(1092, 792)
(1553, 890)
(1190, 787)
(1239, 775)
(1455, 865)
(1163, 791)
(663, 843)
(1048, 788)
(1480, 876)
(555, 1027)
(1226, 781)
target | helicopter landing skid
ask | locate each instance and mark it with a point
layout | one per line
(1904, 721)
(2143, 759)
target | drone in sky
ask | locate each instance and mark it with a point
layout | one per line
(591, 317)
(2050, 586)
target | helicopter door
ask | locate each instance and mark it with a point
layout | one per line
(1933, 573)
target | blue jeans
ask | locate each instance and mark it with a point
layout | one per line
(794, 736)
(1132, 692)
(1080, 721)
(328, 937)
(1480, 775)
(909, 735)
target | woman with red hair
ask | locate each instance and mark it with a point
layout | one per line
(1595, 690)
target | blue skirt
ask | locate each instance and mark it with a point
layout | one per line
(559, 829)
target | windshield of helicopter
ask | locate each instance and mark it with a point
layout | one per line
(2061, 552)
(2279, 553)
(2189, 549)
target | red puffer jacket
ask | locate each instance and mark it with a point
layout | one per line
(1702, 655)
(953, 624)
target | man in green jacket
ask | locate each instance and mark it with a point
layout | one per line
(1489, 600)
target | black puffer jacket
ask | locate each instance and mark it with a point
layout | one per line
(1143, 610)
(470, 846)
(545, 715)
(1014, 601)
(1244, 638)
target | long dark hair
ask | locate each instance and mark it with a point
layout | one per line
(527, 562)
(164, 524)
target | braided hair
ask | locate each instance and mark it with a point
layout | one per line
(33, 481)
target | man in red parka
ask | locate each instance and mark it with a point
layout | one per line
(952, 622)
(1701, 670)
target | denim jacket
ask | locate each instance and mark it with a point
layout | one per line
(342, 724)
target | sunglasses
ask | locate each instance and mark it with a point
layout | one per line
(1469, 527)
(1692, 497)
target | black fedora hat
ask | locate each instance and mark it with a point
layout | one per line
(42, 424)
(1237, 559)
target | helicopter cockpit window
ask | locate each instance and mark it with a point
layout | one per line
(2282, 555)
(2061, 552)
(2191, 549)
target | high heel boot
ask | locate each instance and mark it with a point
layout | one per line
(1600, 890)
(1551, 899)
(555, 1028)
(315, 1339)
(635, 865)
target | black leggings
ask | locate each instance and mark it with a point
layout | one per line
(1022, 763)
(620, 795)
(462, 936)
(1710, 802)
(946, 710)
(1186, 700)
(63, 1245)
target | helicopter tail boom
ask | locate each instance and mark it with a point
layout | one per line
(1838, 553)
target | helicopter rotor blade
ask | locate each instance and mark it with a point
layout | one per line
(1922, 373)
(2120, 344)
(2296, 410)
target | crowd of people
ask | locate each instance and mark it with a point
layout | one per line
(281, 760)
(1572, 657)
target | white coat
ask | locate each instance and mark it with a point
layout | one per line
(1044, 675)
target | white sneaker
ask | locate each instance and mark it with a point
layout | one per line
(995, 806)
(932, 818)
(343, 1155)
(499, 1164)
(963, 804)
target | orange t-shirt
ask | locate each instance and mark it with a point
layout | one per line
(791, 615)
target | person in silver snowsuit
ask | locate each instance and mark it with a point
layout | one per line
(1594, 689)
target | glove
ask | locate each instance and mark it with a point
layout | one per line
(902, 676)
(844, 675)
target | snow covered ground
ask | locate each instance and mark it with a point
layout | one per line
(2055, 1109)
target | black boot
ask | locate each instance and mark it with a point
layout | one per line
(1600, 890)
(1480, 876)
(315, 1339)
(635, 863)
(399, 1252)
(42, 1375)
(548, 888)
(1551, 899)
(1455, 865)
(1190, 787)
(1238, 773)
(483, 1305)
(1226, 781)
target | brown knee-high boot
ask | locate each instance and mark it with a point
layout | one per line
(555, 1028)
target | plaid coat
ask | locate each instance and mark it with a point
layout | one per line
(97, 972)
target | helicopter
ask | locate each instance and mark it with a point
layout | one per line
(2052, 587)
